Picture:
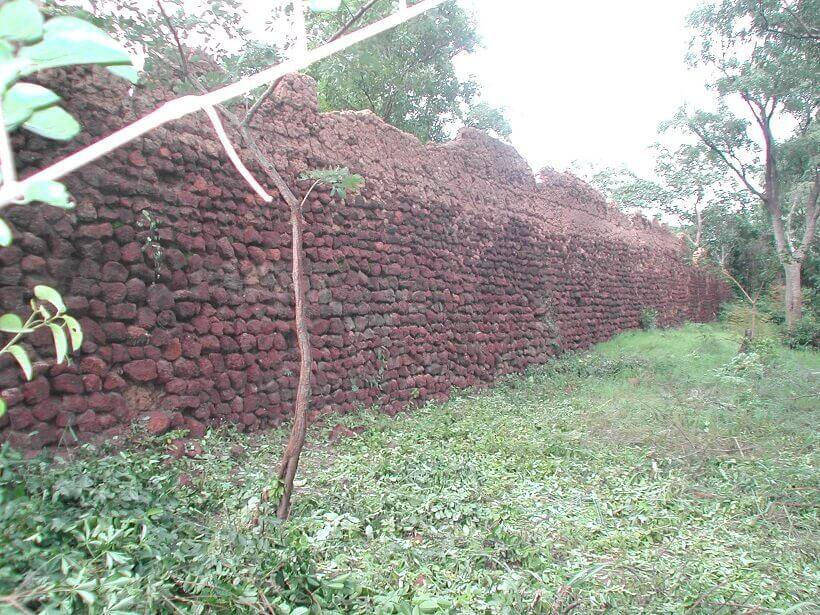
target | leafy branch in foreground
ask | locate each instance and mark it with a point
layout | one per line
(28, 44)
(47, 310)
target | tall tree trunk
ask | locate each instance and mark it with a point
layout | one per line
(793, 297)
(290, 457)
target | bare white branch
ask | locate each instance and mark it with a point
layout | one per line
(233, 156)
(6, 154)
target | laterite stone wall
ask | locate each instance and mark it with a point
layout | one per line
(454, 266)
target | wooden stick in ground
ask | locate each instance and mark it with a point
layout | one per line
(296, 441)
(289, 463)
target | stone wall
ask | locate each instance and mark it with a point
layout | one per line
(454, 266)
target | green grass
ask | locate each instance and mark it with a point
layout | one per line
(659, 472)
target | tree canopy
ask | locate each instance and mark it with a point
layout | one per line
(406, 75)
(763, 57)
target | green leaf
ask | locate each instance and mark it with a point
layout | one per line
(53, 123)
(2, 407)
(22, 100)
(428, 606)
(12, 323)
(46, 293)
(127, 72)
(10, 71)
(20, 20)
(51, 192)
(22, 358)
(60, 341)
(75, 331)
(68, 41)
(5, 233)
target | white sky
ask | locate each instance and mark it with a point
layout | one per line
(586, 80)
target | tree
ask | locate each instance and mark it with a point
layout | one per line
(209, 102)
(693, 180)
(211, 42)
(406, 76)
(340, 181)
(739, 244)
(490, 119)
(764, 57)
(688, 179)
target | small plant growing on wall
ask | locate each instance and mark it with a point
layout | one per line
(151, 245)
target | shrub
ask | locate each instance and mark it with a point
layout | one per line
(803, 334)
(743, 366)
(649, 319)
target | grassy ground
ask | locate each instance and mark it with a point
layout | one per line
(660, 472)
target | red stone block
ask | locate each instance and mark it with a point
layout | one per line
(143, 370)
(158, 423)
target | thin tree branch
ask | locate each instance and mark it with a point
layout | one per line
(233, 156)
(262, 98)
(739, 171)
(183, 58)
(185, 105)
(352, 21)
(214, 116)
(725, 272)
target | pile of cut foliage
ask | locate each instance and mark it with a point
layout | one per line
(659, 472)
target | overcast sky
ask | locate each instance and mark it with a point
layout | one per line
(584, 80)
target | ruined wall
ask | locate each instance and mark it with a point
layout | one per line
(453, 266)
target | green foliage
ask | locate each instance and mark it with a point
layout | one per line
(216, 45)
(490, 119)
(47, 310)
(118, 532)
(737, 317)
(406, 75)
(741, 240)
(648, 319)
(340, 180)
(742, 367)
(634, 477)
(760, 61)
(151, 243)
(803, 334)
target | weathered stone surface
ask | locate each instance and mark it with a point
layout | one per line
(143, 370)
